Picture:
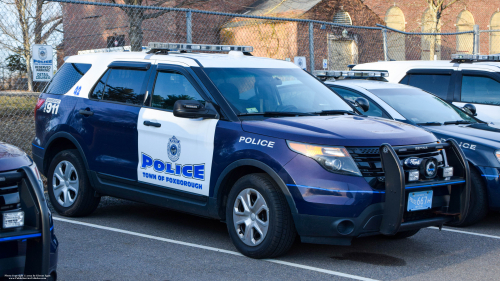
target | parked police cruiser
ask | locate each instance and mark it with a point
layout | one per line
(479, 141)
(473, 79)
(255, 142)
(28, 246)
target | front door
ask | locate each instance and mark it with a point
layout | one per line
(174, 153)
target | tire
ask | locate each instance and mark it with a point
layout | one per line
(478, 206)
(403, 234)
(69, 187)
(273, 211)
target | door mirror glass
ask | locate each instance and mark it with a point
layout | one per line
(194, 109)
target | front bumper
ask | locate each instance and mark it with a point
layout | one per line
(450, 204)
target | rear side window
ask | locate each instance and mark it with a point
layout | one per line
(479, 89)
(433, 83)
(67, 76)
(171, 87)
(122, 85)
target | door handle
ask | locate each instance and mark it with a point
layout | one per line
(86, 112)
(154, 124)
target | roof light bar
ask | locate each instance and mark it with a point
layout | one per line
(467, 57)
(350, 74)
(199, 47)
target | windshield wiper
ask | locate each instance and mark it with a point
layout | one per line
(335, 112)
(276, 113)
(457, 122)
(430, 124)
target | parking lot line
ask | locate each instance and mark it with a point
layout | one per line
(330, 272)
(466, 232)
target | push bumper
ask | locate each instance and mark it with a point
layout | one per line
(391, 217)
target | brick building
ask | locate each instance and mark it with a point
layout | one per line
(92, 27)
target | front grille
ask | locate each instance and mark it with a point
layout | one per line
(7, 191)
(370, 165)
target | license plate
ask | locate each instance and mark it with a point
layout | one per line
(421, 200)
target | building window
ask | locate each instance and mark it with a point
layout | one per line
(115, 41)
(430, 44)
(342, 17)
(394, 18)
(465, 42)
(495, 36)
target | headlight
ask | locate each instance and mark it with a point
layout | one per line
(497, 153)
(334, 159)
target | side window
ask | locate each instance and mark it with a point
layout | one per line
(99, 87)
(124, 85)
(405, 79)
(479, 89)
(171, 87)
(433, 83)
(352, 96)
(66, 77)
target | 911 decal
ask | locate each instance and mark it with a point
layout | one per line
(51, 106)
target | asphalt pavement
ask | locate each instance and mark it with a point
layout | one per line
(124, 240)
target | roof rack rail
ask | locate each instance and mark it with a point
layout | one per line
(159, 47)
(464, 58)
(327, 74)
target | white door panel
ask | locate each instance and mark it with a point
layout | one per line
(178, 154)
(486, 113)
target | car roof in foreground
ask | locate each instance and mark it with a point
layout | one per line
(232, 60)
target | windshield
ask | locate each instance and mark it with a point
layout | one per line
(260, 90)
(421, 107)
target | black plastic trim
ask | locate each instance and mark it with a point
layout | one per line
(130, 65)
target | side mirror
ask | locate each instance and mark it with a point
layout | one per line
(363, 103)
(470, 108)
(194, 109)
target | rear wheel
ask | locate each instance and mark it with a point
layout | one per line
(258, 217)
(68, 185)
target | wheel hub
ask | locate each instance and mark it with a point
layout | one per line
(251, 217)
(65, 183)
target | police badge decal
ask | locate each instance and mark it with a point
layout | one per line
(42, 53)
(174, 148)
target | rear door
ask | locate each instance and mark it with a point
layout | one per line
(108, 119)
(174, 153)
(482, 89)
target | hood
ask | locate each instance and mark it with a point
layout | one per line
(476, 133)
(344, 130)
(12, 158)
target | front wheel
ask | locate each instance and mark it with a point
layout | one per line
(258, 218)
(68, 185)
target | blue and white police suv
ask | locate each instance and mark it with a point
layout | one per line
(255, 142)
(479, 141)
(466, 79)
(28, 245)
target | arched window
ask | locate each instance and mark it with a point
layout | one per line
(342, 17)
(465, 42)
(430, 44)
(394, 18)
(495, 36)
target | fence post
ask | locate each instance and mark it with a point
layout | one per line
(384, 37)
(311, 45)
(476, 40)
(189, 29)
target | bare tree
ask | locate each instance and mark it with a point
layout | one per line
(435, 13)
(28, 22)
(136, 16)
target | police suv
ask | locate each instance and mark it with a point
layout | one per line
(255, 142)
(473, 79)
(479, 141)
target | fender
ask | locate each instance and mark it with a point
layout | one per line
(216, 201)
(69, 137)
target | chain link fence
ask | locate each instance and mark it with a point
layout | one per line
(75, 27)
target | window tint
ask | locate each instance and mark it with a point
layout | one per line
(433, 83)
(405, 80)
(352, 96)
(480, 89)
(125, 85)
(66, 77)
(99, 87)
(171, 87)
